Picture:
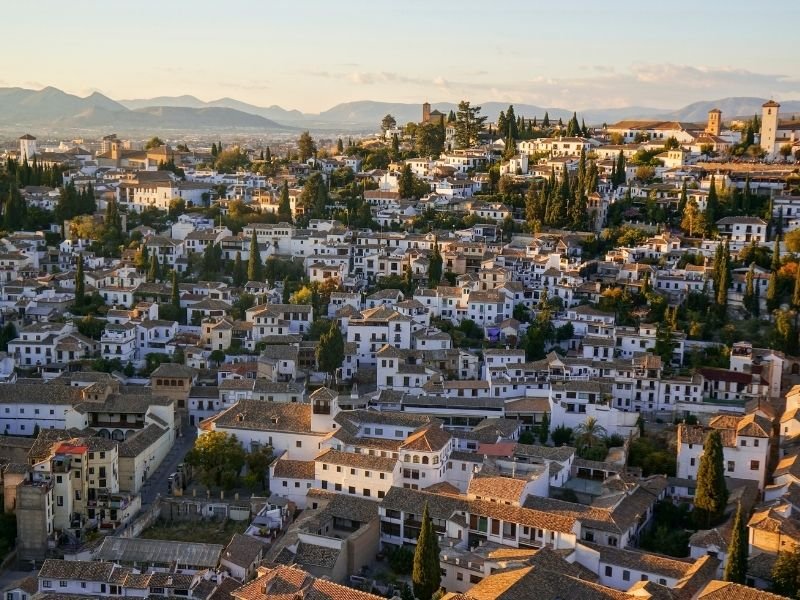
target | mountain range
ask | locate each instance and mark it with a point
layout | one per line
(56, 111)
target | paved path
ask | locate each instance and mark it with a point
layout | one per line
(157, 482)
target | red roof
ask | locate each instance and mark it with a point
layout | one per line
(71, 449)
(726, 375)
(498, 449)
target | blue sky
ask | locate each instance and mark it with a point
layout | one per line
(311, 55)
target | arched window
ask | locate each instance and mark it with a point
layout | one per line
(416, 459)
(407, 458)
(424, 460)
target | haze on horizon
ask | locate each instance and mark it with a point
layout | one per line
(312, 55)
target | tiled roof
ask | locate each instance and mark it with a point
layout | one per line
(724, 590)
(429, 439)
(358, 461)
(256, 415)
(243, 550)
(507, 489)
(293, 469)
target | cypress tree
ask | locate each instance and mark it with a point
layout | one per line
(620, 169)
(682, 201)
(238, 271)
(254, 261)
(546, 120)
(712, 207)
(736, 567)
(776, 254)
(722, 289)
(796, 291)
(143, 259)
(435, 268)
(175, 297)
(426, 574)
(268, 155)
(152, 275)
(544, 429)
(284, 205)
(80, 283)
(772, 291)
(711, 494)
(749, 300)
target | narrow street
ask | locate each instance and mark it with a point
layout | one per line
(157, 482)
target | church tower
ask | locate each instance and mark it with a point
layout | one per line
(426, 112)
(714, 121)
(769, 125)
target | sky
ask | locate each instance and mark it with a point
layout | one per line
(311, 55)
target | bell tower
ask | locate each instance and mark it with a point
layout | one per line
(714, 121)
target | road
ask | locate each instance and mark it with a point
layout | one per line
(157, 482)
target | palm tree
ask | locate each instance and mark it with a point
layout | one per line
(589, 433)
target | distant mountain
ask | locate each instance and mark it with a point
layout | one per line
(49, 103)
(53, 109)
(730, 107)
(273, 112)
(184, 101)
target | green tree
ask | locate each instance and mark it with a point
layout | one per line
(693, 220)
(239, 272)
(7, 333)
(254, 266)
(306, 147)
(468, 124)
(153, 272)
(154, 142)
(284, 204)
(435, 266)
(711, 495)
(330, 350)
(218, 458)
(426, 574)
(80, 284)
(750, 300)
(796, 289)
(405, 184)
(712, 207)
(175, 296)
(775, 263)
(388, 122)
(736, 566)
(544, 428)
(786, 574)
(429, 139)
(589, 433)
(772, 291)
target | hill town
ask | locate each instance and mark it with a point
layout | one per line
(462, 357)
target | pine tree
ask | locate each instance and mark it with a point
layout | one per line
(426, 574)
(254, 261)
(80, 283)
(736, 565)
(711, 495)
(405, 185)
(435, 266)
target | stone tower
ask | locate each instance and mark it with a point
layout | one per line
(714, 121)
(769, 125)
(27, 147)
(426, 112)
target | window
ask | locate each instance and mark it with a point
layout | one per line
(47, 583)
(755, 443)
(62, 583)
(755, 465)
(743, 443)
(626, 575)
(298, 444)
(645, 578)
(351, 489)
(609, 571)
(731, 466)
(459, 576)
